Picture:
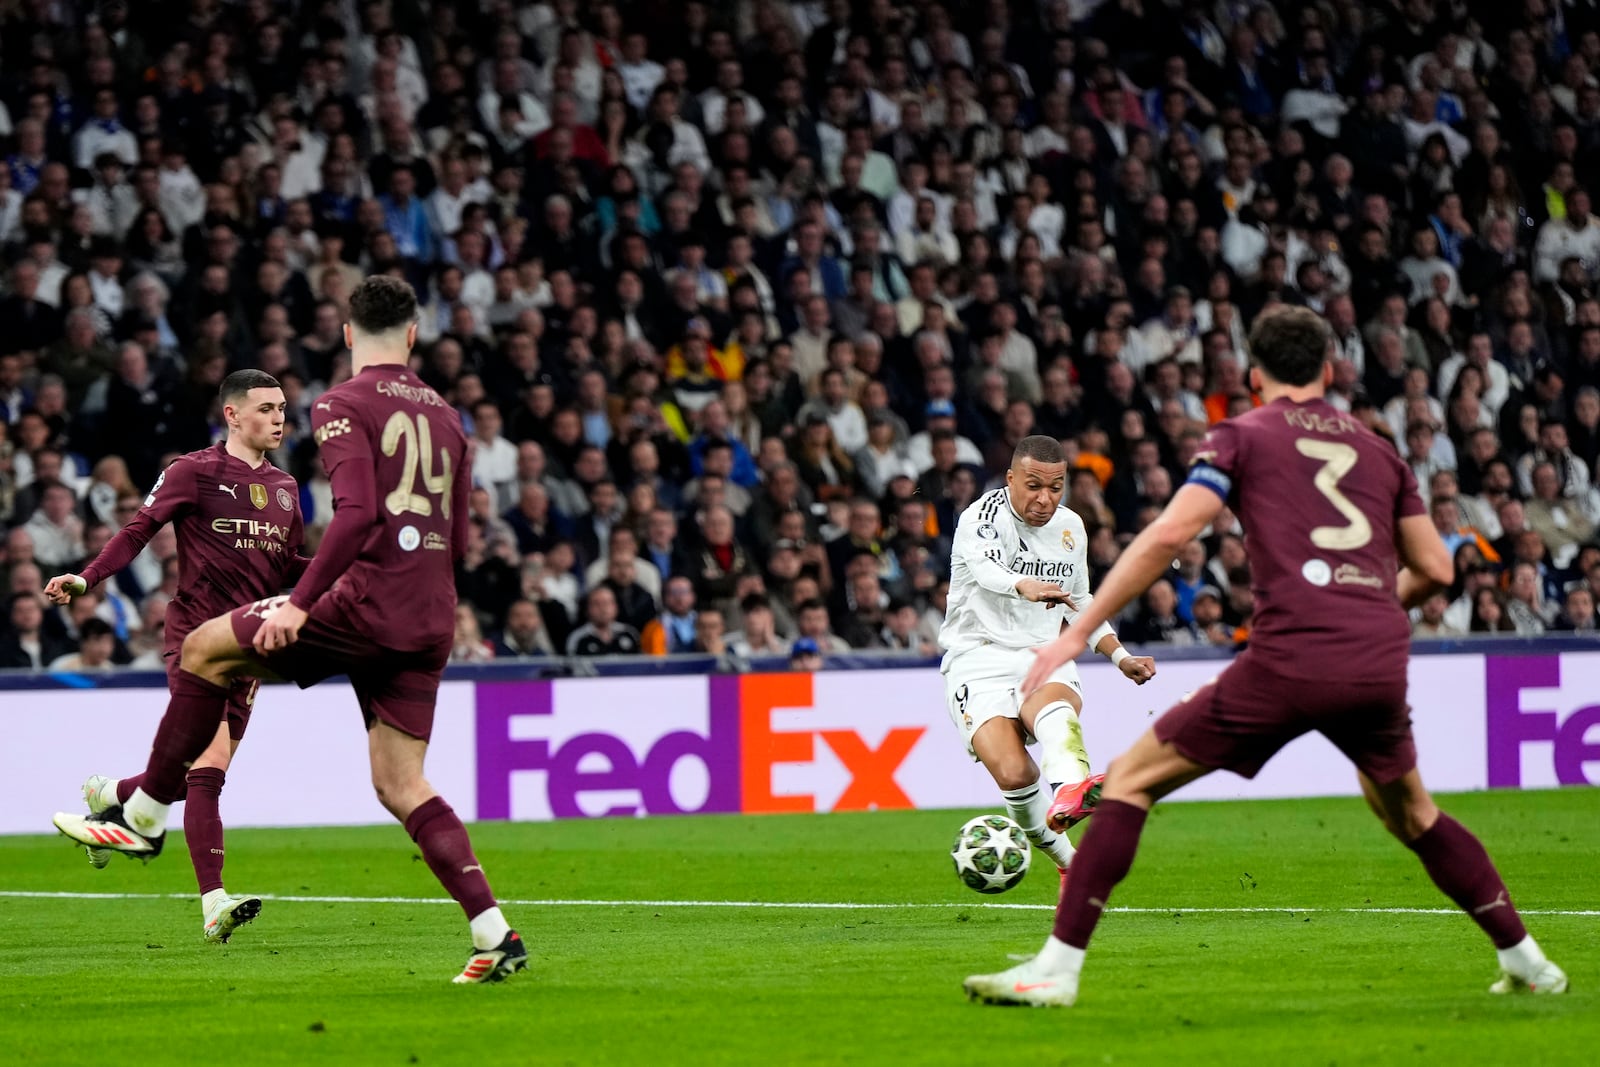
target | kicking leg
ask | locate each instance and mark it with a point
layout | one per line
(211, 657)
(1461, 868)
(397, 775)
(1051, 714)
(999, 745)
(1144, 774)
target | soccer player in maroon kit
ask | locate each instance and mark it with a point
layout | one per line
(239, 529)
(377, 604)
(1340, 544)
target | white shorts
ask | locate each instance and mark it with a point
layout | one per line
(985, 683)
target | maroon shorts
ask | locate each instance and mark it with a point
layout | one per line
(1240, 719)
(241, 695)
(398, 688)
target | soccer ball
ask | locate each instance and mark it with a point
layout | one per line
(991, 854)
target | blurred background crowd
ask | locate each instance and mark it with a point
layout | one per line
(743, 301)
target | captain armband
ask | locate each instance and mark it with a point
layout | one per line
(1211, 478)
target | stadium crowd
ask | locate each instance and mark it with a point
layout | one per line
(742, 302)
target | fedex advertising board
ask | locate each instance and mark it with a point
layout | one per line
(758, 744)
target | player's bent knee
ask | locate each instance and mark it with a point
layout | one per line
(210, 650)
(1017, 774)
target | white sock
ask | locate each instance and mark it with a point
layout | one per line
(1522, 959)
(489, 928)
(1058, 957)
(207, 900)
(145, 816)
(1029, 806)
(1061, 752)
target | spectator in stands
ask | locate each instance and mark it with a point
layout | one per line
(758, 636)
(601, 633)
(524, 633)
(674, 630)
(26, 644)
(1431, 623)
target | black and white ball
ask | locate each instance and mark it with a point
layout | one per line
(991, 854)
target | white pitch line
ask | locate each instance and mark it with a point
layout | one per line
(23, 894)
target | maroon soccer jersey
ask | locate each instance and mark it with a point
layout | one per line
(1320, 497)
(239, 534)
(397, 460)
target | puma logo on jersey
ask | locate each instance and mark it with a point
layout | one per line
(1498, 902)
(231, 490)
(324, 405)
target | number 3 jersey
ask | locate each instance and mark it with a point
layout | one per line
(993, 550)
(1320, 497)
(397, 460)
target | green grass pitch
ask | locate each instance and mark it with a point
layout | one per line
(658, 980)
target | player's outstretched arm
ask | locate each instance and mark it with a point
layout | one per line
(173, 494)
(1193, 509)
(1427, 566)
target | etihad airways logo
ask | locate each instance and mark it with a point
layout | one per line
(249, 528)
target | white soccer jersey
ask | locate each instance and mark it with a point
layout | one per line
(993, 550)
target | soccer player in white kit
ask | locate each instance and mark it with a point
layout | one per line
(1018, 572)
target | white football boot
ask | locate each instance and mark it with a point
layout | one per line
(99, 793)
(226, 914)
(1025, 984)
(494, 964)
(110, 831)
(1550, 979)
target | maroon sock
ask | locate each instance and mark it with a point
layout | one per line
(448, 850)
(1463, 871)
(126, 786)
(202, 826)
(1102, 861)
(186, 729)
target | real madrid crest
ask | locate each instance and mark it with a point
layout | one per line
(1066, 540)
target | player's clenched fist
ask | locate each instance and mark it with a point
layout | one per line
(1139, 668)
(1043, 592)
(62, 588)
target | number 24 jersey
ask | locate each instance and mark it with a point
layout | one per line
(395, 449)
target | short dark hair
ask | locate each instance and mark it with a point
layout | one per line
(236, 386)
(381, 303)
(1040, 448)
(1290, 345)
(94, 628)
